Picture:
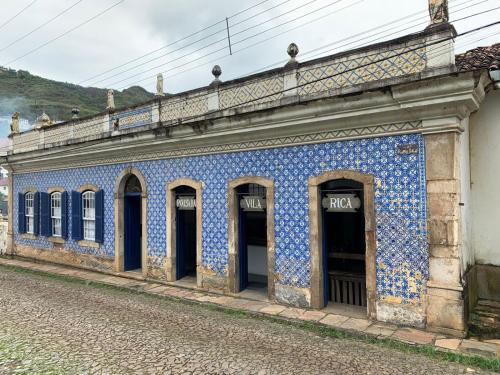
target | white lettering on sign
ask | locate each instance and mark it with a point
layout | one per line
(253, 203)
(341, 203)
(185, 203)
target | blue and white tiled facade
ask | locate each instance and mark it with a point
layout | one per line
(400, 204)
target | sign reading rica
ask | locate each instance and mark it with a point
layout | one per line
(341, 203)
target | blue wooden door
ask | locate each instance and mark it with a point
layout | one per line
(325, 252)
(242, 249)
(132, 213)
(180, 244)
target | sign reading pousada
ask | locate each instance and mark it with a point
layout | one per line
(185, 203)
(253, 203)
(341, 203)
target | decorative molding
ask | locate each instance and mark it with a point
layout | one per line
(320, 137)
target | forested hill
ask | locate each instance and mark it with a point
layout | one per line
(30, 95)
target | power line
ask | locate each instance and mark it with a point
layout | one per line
(42, 25)
(233, 43)
(434, 43)
(206, 46)
(267, 39)
(246, 48)
(17, 14)
(65, 33)
(175, 42)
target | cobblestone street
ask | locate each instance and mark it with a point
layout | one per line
(49, 325)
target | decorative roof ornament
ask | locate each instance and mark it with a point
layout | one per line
(14, 125)
(159, 85)
(438, 11)
(216, 71)
(111, 101)
(293, 51)
(75, 111)
(43, 121)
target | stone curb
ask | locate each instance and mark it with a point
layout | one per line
(353, 326)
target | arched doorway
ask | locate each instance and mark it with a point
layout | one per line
(130, 222)
(251, 236)
(132, 219)
(184, 215)
(342, 239)
(343, 245)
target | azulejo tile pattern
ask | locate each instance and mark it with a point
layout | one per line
(399, 200)
(355, 70)
(132, 119)
(253, 92)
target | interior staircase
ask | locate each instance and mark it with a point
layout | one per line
(484, 320)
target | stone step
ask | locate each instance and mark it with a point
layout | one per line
(485, 319)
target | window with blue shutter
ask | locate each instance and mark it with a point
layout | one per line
(76, 216)
(45, 227)
(99, 216)
(64, 214)
(36, 213)
(21, 218)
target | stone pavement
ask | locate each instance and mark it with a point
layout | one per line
(339, 322)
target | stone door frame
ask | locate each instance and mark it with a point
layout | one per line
(315, 235)
(233, 262)
(119, 194)
(171, 221)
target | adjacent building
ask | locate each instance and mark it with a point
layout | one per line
(365, 178)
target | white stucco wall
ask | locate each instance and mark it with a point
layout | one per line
(257, 260)
(465, 197)
(485, 176)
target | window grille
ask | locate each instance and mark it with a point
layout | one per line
(55, 214)
(88, 204)
(29, 213)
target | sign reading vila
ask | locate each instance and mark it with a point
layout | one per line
(253, 203)
(341, 202)
(186, 203)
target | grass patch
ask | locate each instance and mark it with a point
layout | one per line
(325, 331)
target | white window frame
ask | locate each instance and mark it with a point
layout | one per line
(88, 215)
(29, 212)
(55, 213)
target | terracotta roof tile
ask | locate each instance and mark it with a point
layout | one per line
(478, 58)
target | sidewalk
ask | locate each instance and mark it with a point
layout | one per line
(488, 349)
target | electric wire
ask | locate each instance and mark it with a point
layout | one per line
(175, 42)
(17, 14)
(438, 42)
(65, 33)
(204, 47)
(302, 54)
(41, 26)
(223, 48)
(252, 45)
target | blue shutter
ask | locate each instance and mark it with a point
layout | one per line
(21, 218)
(45, 221)
(64, 214)
(99, 216)
(76, 216)
(36, 213)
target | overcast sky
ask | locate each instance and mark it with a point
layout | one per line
(136, 27)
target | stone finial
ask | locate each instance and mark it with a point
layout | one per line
(43, 121)
(111, 100)
(293, 51)
(438, 11)
(75, 111)
(159, 85)
(14, 125)
(216, 71)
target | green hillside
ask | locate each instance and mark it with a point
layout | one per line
(30, 95)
